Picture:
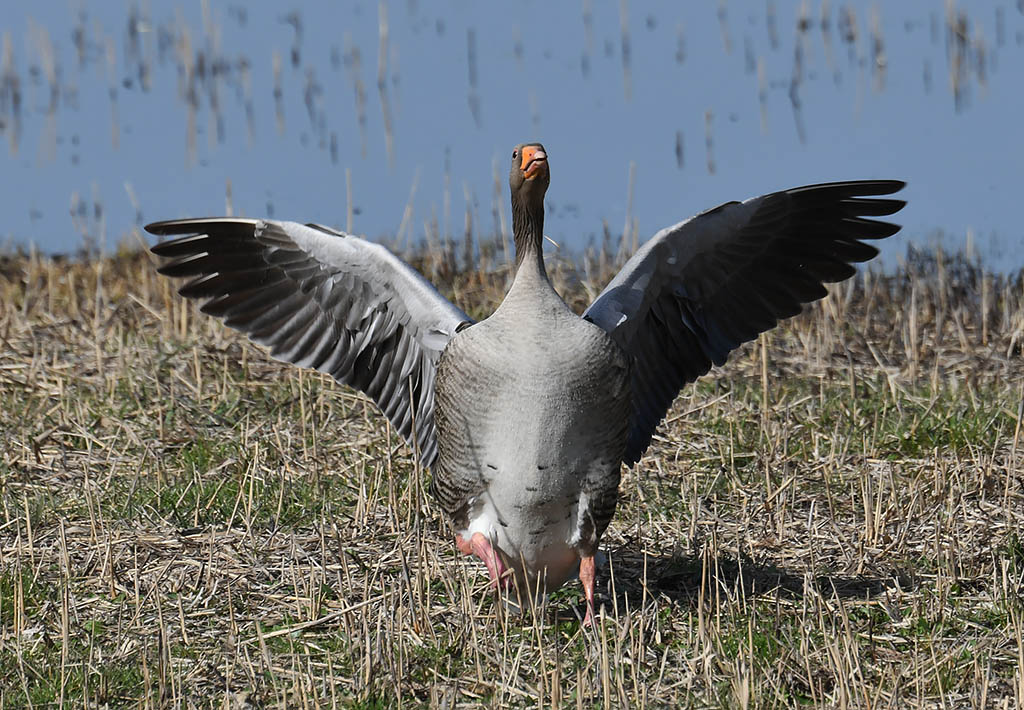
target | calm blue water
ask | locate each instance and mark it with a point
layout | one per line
(115, 114)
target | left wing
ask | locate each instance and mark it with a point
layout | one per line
(696, 291)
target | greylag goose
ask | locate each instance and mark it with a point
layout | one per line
(526, 417)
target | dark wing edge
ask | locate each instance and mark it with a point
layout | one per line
(696, 291)
(322, 299)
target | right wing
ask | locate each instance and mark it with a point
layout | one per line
(322, 299)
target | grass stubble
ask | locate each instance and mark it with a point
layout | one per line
(832, 519)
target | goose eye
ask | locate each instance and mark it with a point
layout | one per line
(515, 154)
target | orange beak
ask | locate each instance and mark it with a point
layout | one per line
(535, 162)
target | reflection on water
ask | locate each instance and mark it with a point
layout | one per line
(393, 118)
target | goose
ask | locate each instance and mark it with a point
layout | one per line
(526, 418)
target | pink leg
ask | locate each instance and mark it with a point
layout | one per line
(587, 578)
(480, 546)
(464, 547)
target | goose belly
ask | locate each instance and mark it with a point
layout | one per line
(529, 437)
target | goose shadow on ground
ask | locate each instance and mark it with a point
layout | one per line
(679, 577)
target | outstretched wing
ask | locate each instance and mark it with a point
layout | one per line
(322, 299)
(696, 291)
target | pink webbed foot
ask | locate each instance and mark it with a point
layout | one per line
(587, 578)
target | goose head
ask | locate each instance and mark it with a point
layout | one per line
(529, 177)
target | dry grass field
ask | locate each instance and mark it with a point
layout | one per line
(833, 519)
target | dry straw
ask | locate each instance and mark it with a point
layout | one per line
(832, 519)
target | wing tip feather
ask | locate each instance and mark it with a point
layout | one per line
(194, 225)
